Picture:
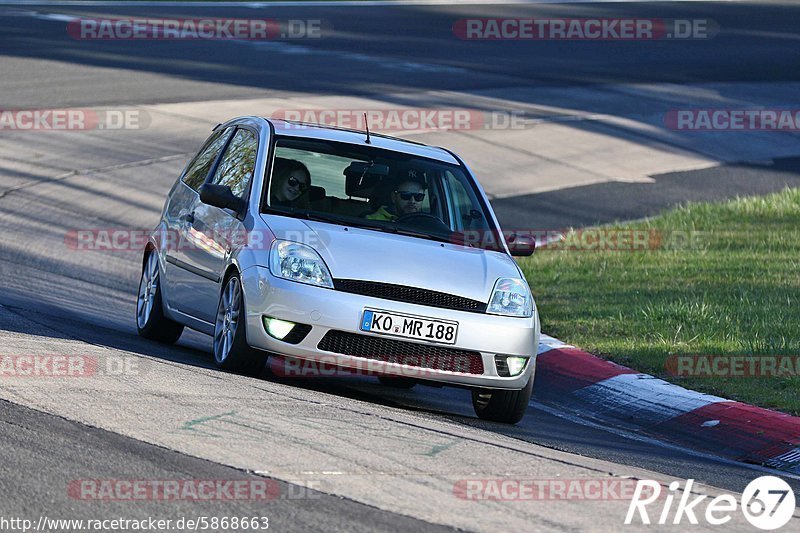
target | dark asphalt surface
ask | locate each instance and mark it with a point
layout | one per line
(758, 42)
(46, 454)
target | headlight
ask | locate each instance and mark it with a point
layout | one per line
(299, 262)
(511, 297)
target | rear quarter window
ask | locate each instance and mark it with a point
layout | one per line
(198, 169)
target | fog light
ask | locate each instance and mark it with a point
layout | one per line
(516, 364)
(277, 328)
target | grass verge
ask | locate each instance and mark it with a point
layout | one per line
(716, 279)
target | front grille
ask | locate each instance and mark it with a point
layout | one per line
(412, 295)
(402, 353)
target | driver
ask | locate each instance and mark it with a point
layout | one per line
(407, 199)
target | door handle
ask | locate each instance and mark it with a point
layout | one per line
(189, 218)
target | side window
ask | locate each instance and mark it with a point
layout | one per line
(198, 169)
(467, 212)
(461, 203)
(237, 165)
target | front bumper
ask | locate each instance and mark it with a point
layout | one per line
(328, 309)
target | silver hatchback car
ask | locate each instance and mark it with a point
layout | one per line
(328, 245)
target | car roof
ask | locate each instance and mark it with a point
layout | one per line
(290, 128)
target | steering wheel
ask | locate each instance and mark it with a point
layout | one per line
(409, 217)
(425, 222)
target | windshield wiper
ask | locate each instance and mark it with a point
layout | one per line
(311, 215)
(360, 223)
(326, 217)
(410, 233)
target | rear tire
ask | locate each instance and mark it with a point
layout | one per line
(150, 320)
(231, 351)
(507, 406)
(397, 383)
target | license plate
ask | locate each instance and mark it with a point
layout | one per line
(409, 326)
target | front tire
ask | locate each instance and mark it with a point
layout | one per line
(507, 406)
(231, 351)
(150, 320)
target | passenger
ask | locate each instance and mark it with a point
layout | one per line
(290, 182)
(406, 199)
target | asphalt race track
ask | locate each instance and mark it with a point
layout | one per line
(343, 453)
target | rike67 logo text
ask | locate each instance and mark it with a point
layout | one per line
(767, 503)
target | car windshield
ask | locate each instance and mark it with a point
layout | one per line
(378, 189)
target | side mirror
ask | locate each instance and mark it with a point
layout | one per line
(221, 196)
(520, 244)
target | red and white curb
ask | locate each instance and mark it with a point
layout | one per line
(605, 391)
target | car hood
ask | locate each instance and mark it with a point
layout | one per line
(364, 254)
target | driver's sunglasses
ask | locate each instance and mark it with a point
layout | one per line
(296, 183)
(406, 195)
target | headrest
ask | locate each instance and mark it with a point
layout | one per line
(316, 193)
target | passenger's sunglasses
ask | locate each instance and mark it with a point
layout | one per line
(406, 195)
(297, 184)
